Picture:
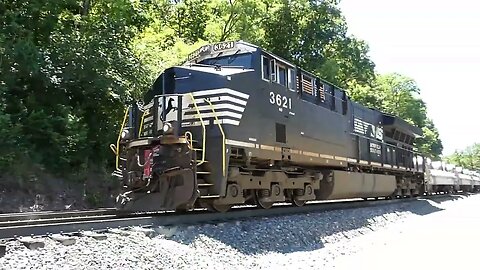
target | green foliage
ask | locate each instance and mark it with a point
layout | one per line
(66, 71)
(313, 34)
(67, 67)
(468, 158)
(151, 48)
(10, 146)
(399, 95)
(430, 144)
(93, 199)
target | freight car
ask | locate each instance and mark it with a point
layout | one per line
(236, 124)
(448, 178)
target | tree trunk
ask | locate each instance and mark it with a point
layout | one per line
(85, 7)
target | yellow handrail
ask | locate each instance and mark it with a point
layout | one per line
(119, 138)
(223, 135)
(203, 129)
(141, 123)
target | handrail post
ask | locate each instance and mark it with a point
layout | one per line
(223, 135)
(141, 122)
(204, 131)
(119, 138)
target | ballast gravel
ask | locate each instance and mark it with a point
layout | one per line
(309, 241)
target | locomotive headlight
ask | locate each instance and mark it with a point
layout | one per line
(167, 128)
(125, 134)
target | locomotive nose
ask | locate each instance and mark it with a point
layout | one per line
(161, 178)
(157, 162)
(168, 182)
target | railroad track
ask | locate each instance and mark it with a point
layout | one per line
(53, 214)
(42, 224)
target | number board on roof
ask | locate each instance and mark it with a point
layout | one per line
(211, 48)
(227, 45)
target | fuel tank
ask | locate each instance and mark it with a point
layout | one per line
(344, 185)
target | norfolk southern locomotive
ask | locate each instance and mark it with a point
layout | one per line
(236, 124)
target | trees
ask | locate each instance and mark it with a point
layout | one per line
(399, 95)
(65, 72)
(468, 158)
(67, 67)
(313, 34)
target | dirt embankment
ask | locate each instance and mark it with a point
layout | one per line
(43, 192)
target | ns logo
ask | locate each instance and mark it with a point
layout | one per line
(367, 129)
(377, 132)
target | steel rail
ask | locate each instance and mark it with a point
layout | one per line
(13, 217)
(54, 220)
(101, 223)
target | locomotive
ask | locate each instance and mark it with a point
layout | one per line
(235, 124)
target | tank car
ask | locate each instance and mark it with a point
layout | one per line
(236, 124)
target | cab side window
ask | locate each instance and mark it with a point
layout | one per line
(265, 69)
(278, 72)
(282, 75)
(292, 82)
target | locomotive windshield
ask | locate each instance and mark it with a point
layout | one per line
(238, 60)
(227, 54)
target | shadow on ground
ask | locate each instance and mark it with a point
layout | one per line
(450, 197)
(304, 232)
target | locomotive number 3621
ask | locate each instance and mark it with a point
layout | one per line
(280, 101)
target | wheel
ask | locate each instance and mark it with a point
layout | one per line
(213, 207)
(294, 194)
(298, 202)
(262, 193)
(222, 208)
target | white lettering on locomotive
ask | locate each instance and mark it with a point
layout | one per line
(210, 48)
(375, 148)
(362, 127)
(280, 101)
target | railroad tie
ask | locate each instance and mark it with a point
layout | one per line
(94, 235)
(146, 231)
(118, 231)
(3, 250)
(63, 239)
(32, 243)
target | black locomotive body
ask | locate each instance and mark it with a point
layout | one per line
(236, 124)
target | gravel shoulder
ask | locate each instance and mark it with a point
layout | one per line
(381, 236)
(446, 239)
